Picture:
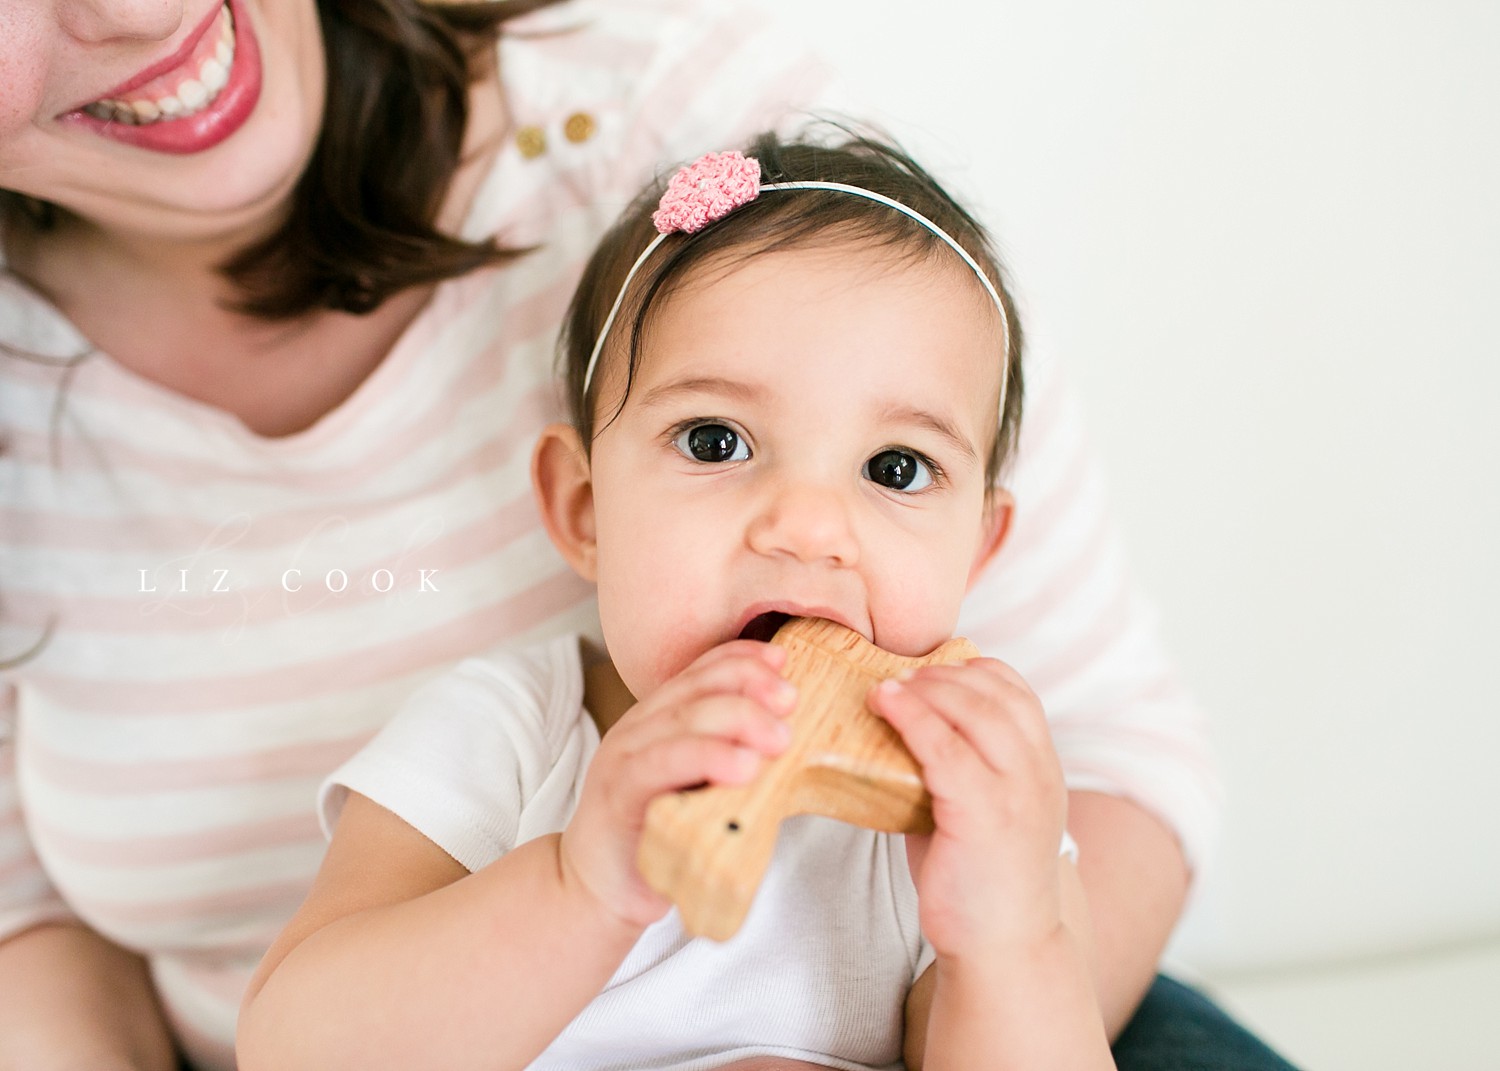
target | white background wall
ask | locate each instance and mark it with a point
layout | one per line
(1265, 238)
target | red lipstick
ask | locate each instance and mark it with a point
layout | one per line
(203, 129)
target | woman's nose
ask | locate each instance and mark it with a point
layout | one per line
(805, 522)
(96, 21)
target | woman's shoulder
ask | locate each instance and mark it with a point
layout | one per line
(612, 92)
(634, 46)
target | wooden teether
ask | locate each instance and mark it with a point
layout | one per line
(706, 849)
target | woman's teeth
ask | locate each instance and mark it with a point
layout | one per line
(192, 94)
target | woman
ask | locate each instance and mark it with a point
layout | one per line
(281, 284)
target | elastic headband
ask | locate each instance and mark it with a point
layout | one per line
(716, 184)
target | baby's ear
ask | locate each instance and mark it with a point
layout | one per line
(565, 494)
(999, 509)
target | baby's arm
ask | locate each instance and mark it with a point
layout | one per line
(401, 958)
(1036, 1009)
(1012, 985)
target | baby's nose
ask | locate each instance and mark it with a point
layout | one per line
(806, 522)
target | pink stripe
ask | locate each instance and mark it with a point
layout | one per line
(708, 58)
(182, 847)
(17, 917)
(1036, 520)
(372, 665)
(1106, 627)
(25, 863)
(1164, 688)
(170, 532)
(1044, 407)
(169, 612)
(90, 777)
(523, 321)
(586, 51)
(278, 900)
(126, 455)
(1013, 623)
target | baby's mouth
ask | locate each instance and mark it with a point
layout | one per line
(182, 92)
(763, 626)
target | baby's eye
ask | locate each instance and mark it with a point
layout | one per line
(711, 443)
(899, 470)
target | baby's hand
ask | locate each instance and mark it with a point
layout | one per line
(714, 723)
(987, 877)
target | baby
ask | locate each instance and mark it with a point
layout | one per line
(795, 380)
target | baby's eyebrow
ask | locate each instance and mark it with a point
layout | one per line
(717, 385)
(911, 414)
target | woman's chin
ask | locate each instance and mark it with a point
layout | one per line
(224, 195)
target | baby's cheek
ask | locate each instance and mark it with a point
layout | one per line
(658, 637)
(919, 613)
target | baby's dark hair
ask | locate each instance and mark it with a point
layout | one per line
(781, 220)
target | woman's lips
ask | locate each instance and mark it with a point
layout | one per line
(184, 90)
(193, 106)
(172, 64)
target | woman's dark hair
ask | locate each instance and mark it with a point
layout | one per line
(362, 222)
(782, 220)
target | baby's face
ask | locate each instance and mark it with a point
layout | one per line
(807, 434)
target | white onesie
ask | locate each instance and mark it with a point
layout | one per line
(493, 755)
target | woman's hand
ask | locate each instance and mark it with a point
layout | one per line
(714, 723)
(987, 877)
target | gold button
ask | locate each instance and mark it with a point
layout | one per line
(531, 141)
(579, 127)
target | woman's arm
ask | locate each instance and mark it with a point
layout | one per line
(400, 958)
(70, 999)
(1136, 879)
(1060, 603)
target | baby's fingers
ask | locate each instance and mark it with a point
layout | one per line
(732, 717)
(678, 763)
(1001, 719)
(742, 667)
(948, 760)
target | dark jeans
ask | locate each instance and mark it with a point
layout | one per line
(1177, 1028)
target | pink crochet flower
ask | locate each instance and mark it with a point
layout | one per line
(709, 188)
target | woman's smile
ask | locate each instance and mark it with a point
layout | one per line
(193, 99)
(188, 119)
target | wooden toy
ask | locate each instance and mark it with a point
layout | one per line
(707, 849)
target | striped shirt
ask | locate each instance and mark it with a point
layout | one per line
(229, 617)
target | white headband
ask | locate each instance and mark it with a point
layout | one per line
(719, 182)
